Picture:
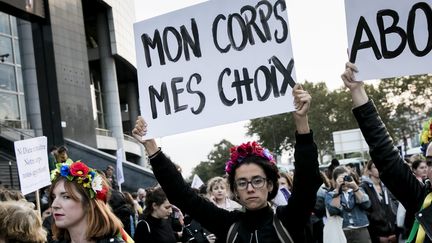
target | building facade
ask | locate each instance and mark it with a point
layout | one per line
(67, 72)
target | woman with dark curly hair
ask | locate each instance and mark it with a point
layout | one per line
(253, 179)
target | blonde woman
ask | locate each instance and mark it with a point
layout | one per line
(20, 223)
(217, 190)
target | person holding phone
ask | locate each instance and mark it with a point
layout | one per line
(349, 201)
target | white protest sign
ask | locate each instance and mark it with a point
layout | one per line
(214, 63)
(389, 38)
(32, 160)
(196, 182)
(119, 166)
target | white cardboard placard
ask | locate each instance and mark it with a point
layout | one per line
(249, 39)
(389, 38)
(32, 160)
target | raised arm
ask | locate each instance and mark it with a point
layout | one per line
(356, 88)
(178, 192)
(139, 133)
(395, 174)
(306, 176)
(302, 101)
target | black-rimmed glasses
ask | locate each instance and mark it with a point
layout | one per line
(256, 182)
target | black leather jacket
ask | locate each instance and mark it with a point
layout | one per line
(382, 213)
(394, 173)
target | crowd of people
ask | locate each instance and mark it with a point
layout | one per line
(251, 201)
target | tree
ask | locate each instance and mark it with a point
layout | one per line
(330, 111)
(277, 132)
(404, 103)
(215, 166)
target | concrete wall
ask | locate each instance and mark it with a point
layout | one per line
(120, 21)
(72, 70)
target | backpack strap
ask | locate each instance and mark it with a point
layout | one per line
(232, 232)
(281, 232)
(148, 226)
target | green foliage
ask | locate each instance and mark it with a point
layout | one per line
(278, 132)
(407, 104)
(402, 103)
(215, 166)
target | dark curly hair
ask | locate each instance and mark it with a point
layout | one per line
(270, 170)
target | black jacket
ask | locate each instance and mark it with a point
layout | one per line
(382, 213)
(160, 231)
(394, 173)
(104, 240)
(255, 224)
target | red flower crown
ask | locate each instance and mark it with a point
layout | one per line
(238, 153)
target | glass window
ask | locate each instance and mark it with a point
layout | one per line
(23, 112)
(12, 99)
(7, 77)
(6, 48)
(9, 107)
(19, 78)
(14, 26)
(17, 52)
(4, 24)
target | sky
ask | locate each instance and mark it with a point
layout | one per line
(319, 44)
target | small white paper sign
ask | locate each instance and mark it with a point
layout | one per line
(214, 63)
(119, 165)
(32, 160)
(389, 38)
(196, 182)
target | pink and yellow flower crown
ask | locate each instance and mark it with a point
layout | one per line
(83, 175)
(426, 134)
(238, 153)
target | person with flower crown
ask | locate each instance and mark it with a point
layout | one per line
(414, 195)
(253, 179)
(78, 196)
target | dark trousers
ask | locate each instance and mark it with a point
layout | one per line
(360, 235)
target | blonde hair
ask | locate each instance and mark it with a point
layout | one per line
(101, 221)
(10, 195)
(216, 180)
(288, 178)
(20, 223)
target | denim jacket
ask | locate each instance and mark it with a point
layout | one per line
(353, 213)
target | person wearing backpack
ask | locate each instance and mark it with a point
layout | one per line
(156, 225)
(253, 179)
